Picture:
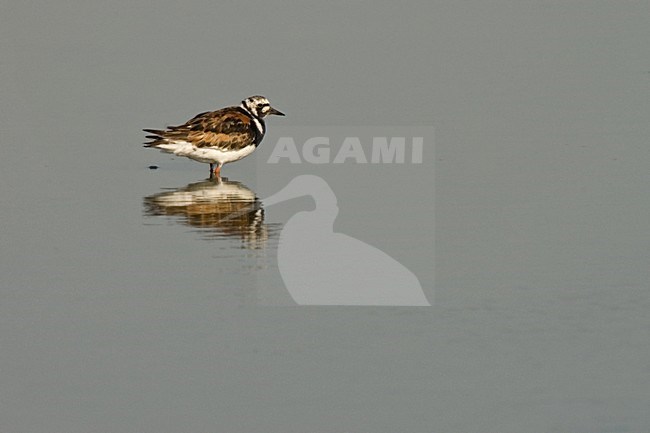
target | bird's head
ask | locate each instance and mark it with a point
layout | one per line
(260, 107)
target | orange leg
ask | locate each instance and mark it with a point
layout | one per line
(215, 170)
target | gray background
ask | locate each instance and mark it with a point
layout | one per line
(114, 321)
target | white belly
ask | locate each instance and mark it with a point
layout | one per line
(206, 154)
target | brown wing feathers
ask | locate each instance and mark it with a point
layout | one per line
(227, 128)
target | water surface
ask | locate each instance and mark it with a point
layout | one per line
(129, 302)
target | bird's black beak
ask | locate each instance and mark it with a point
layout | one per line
(276, 112)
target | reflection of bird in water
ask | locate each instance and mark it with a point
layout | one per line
(321, 267)
(229, 208)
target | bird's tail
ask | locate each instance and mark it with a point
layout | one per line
(157, 137)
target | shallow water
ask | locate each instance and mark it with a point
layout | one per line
(150, 300)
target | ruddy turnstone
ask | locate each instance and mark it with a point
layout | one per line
(217, 137)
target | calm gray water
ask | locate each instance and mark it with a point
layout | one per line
(127, 304)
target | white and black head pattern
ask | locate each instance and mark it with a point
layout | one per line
(259, 107)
